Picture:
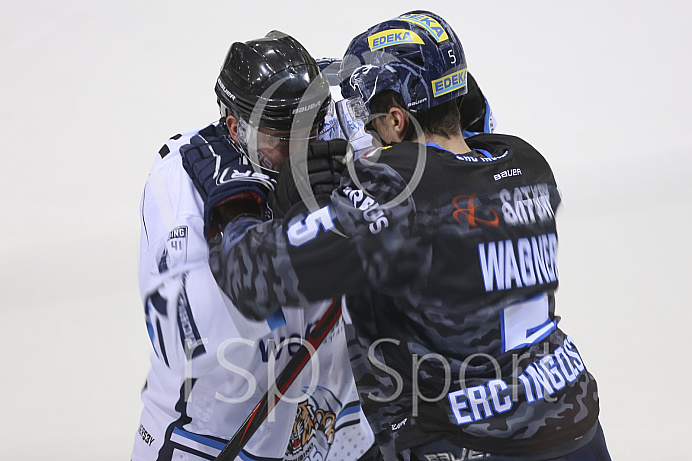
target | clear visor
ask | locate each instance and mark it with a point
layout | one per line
(355, 115)
(277, 142)
(356, 109)
(269, 151)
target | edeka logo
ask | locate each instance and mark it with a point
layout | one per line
(449, 83)
(427, 23)
(392, 37)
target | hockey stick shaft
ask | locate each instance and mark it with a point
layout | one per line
(287, 376)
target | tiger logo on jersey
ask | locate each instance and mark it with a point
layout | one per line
(311, 427)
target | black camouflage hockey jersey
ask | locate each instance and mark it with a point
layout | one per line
(448, 263)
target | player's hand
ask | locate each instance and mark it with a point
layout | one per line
(474, 110)
(227, 185)
(325, 164)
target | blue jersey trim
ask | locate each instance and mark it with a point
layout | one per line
(199, 438)
(349, 410)
(277, 320)
(437, 146)
(245, 456)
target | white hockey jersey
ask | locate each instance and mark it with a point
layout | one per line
(210, 365)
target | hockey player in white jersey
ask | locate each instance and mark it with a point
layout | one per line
(210, 365)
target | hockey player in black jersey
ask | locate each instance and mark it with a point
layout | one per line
(445, 252)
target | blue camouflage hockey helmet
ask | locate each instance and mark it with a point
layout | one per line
(416, 54)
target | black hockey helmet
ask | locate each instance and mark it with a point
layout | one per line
(275, 77)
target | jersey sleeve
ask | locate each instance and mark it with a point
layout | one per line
(177, 288)
(364, 233)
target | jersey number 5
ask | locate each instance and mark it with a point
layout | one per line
(525, 323)
(301, 232)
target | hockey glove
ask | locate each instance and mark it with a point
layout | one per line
(224, 179)
(474, 109)
(325, 164)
